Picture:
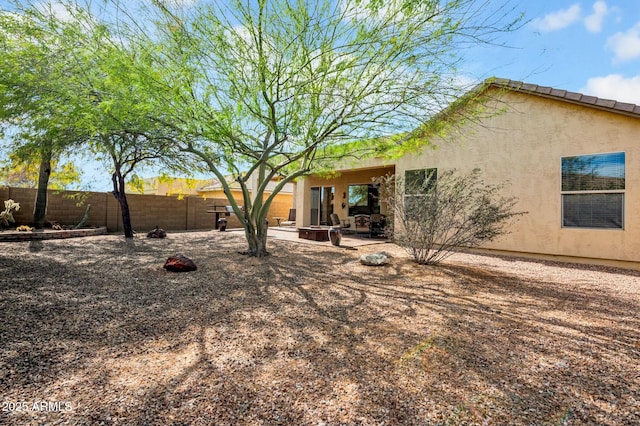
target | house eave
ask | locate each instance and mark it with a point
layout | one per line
(609, 105)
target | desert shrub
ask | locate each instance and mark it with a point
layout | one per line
(441, 213)
(6, 216)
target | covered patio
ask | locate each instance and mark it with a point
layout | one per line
(350, 194)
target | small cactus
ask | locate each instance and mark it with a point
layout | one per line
(6, 217)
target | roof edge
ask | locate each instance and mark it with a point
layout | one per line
(610, 105)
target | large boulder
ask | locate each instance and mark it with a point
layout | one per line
(157, 233)
(374, 259)
(179, 263)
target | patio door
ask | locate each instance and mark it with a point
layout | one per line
(321, 204)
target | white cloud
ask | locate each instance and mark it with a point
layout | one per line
(614, 86)
(626, 45)
(558, 20)
(55, 9)
(593, 22)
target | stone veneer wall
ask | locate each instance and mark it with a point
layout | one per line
(147, 211)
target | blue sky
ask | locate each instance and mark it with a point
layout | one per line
(591, 47)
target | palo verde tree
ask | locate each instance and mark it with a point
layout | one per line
(265, 90)
(34, 93)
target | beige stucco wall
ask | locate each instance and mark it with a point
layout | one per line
(524, 145)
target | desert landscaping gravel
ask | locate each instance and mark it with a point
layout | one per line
(95, 332)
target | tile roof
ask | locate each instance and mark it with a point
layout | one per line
(563, 95)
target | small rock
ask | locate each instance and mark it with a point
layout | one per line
(157, 233)
(35, 245)
(179, 263)
(374, 259)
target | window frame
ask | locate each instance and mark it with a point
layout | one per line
(408, 197)
(429, 172)
(622, 192)
(372, 205)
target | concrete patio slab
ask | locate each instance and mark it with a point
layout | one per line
(290, 233)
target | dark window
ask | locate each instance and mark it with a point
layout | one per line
(418, 184)
(593, 191)
(364, 199)
(419, 181)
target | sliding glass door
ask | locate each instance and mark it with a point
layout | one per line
(321, 204)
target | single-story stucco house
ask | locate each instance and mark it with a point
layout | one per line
(572, 160)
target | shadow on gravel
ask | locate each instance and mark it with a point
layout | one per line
(304, 338)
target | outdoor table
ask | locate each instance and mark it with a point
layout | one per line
(314, 234)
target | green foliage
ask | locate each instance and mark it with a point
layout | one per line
(136, 183)
(88, 86)
(78, 197)
(37, 97)
(6, 216)
(21, 173)
(35, 91)
(446, 213)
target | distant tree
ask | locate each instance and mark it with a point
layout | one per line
(444, 212)
(23, 173)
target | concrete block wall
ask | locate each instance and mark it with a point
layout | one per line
(280, 206)
(25, 197)
(147, 211)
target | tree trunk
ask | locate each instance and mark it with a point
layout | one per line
(40, 210)
(119, 194)
(256, 237)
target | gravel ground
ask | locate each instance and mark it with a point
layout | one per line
(94, 331)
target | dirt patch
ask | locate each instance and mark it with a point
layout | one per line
(95, 331)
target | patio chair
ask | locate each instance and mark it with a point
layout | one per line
(291, 220)
(362, 223)
(377, 224)
(334, 220)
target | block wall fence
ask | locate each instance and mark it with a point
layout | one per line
(147, 211)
